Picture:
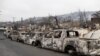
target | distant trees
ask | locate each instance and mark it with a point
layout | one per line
(44, 21)
(96, 15)
(96, 18)
(32, 20)
(51, 21)
(15, 27)
(82, 18)
(54, 21)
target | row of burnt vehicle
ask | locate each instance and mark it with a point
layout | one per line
(63, 40)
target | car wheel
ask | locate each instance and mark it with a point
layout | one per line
(33, 43)
(11, 38)
(17, 40)
(70, 50)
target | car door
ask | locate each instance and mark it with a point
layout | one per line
(47, 41)
(57, 40)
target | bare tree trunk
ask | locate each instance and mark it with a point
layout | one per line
(81, 18)
(57, 23)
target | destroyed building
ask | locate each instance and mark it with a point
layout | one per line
(96, 18)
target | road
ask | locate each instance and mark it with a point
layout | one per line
(12, 48)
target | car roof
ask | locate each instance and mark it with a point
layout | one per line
(22, 32)
(63, 30)
(59, 29)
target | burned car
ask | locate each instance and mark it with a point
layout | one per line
(22, 36)
(35, 38)
(14, 35)
(93, 40)
(7, 33)
(65, 41)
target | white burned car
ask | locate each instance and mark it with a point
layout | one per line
(14, 35)
(22, 36)
(35, 38)
(7, 33)
(65, 41)
(93, 39)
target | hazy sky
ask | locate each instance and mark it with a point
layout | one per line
(31, 8)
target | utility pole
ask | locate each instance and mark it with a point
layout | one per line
(14, 25)
(22, 21)
(81, 18)
(85, 18)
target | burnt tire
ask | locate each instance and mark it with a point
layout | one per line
(11, 38)
(38, 43)
(33, 43)
(70, 50)
(17, 40)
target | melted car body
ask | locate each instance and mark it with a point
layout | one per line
(35, 38)
(64, 40)
(14, 35)
(22, 36)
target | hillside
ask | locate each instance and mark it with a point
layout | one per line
(73, 16)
